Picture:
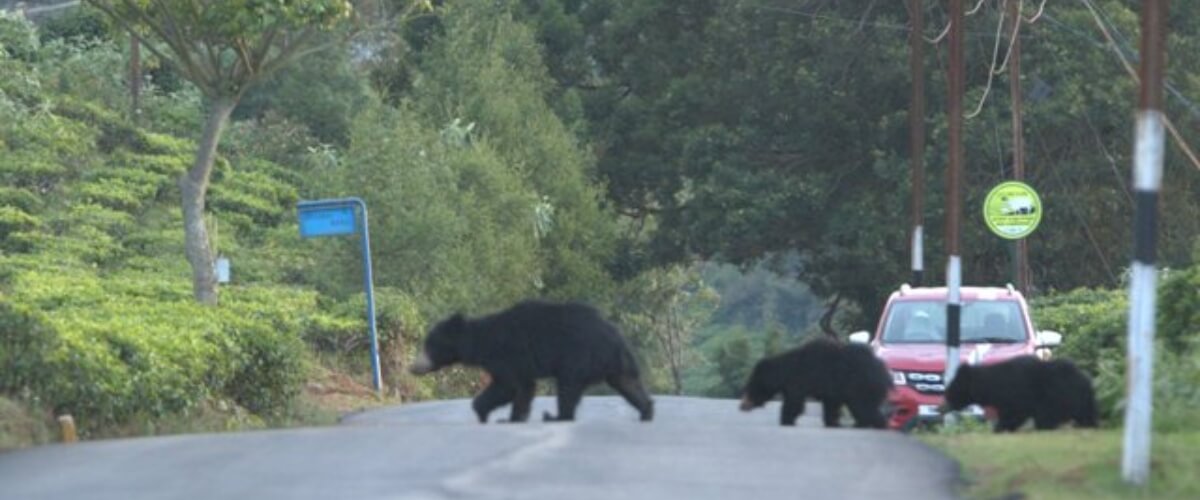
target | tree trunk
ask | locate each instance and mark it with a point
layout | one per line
(193, 186)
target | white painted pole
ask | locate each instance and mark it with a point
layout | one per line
(1135, 461)
(1147, 182)
(953, 316)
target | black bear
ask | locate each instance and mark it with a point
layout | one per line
(1052, 392)
(830, 372)
(568, 342)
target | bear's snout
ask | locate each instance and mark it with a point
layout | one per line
(746, 405)
(421, 365)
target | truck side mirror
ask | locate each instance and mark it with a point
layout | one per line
(1048, 338)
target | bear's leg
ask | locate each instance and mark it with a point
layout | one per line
(630, 388)
(1010, 421)
(1048, 415)
(494, 396)
(569, 394)
(793, 407)
(1084, 412)
(523, 400)
(832, 412)
(1046, 422)
(867, 416)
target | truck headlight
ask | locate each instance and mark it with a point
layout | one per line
(898, 378)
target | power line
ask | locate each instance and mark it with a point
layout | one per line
(856, 22)
(44, 8)
(1183, 145)
(1171, 88)
(1127, 49)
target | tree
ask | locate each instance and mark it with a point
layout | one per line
(737, 131)
(473, 178)
(662, 309)
(224, 47)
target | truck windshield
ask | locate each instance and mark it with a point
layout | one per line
(924, 322)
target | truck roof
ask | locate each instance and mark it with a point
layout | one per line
(967, 292)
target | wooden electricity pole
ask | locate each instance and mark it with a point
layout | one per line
(916, 137)
(954, 112)
(1018, 140)
(1147, 181)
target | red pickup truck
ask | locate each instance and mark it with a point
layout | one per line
(911, 340)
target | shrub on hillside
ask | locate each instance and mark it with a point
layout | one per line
(108, 356)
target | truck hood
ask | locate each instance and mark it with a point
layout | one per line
(932, 357)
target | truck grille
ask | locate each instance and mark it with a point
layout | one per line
(926, 382)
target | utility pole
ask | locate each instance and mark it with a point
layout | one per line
(1018, 139)
(916, 136)
(954, 112)
(1147, 181)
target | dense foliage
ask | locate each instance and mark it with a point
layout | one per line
(1094, 325)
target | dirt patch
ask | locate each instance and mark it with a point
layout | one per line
(340, 393)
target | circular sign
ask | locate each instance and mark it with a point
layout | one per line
(1012, 210)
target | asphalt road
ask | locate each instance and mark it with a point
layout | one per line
(695, 449)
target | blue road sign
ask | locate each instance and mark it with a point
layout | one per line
(326, 220)
(335, 217)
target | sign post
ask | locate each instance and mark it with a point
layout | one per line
(337, 217)
(1012, 210)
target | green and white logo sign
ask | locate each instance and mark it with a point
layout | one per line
(1012, 210)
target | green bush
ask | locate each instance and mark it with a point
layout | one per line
(14, 220)
(20, 198)
(1091, 321)
(1179, 309)
(136, 345)
(1176, 389)
(1094, 328)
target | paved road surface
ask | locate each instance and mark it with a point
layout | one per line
(695, 449)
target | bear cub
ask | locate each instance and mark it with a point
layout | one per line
(569, 342)
(833, 373)
(1052, 392)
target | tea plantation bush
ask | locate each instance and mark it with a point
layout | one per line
(106, 357)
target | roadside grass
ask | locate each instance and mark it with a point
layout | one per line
(324, 399)
(20, 426)
(1068, 464)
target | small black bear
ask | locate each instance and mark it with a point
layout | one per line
(1052, 392)
(828, 371)
(568, 342)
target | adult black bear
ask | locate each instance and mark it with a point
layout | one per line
(830, 372)
(569, 342)
(1052, 392)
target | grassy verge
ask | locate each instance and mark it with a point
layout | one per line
(21, 426)
(325, 398)
(1069, 464)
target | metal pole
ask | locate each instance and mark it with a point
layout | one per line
(1147, 180)
(1018, 129)
(953, 189)
(369, 285)
(916, 136)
